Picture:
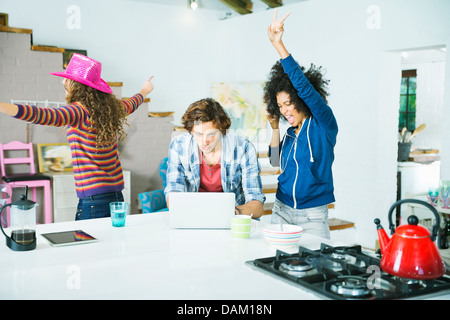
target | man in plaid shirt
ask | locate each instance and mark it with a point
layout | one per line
(210, 159)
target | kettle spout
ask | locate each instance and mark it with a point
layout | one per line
(383, 238)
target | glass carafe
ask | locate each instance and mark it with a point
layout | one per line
(23, 224)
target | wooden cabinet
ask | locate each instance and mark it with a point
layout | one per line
(65, 199)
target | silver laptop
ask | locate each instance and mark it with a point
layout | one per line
(201, 210)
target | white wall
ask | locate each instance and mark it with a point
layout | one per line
(188, 50)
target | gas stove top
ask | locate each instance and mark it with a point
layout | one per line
(344, 273)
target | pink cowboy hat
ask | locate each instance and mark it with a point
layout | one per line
(86, 71)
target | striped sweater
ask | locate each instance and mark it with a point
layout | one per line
(95, 170)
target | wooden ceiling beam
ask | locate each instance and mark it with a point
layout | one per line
(273, 3)
(240, 6)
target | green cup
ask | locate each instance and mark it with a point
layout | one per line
(241, 226)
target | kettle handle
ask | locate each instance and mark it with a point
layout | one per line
(436, 225)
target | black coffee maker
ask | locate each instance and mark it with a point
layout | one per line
(22, 228)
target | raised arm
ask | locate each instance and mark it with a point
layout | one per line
(306, 91)
(275, 33)
(131, 104)
(147, 87)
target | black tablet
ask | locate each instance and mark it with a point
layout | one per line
(67, 238)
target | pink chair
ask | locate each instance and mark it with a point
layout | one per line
(31, 178)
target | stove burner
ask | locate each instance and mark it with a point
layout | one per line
(342, 273)
(294, 264)
(351, 286)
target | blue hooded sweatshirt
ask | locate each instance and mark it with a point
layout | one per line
(306, 178)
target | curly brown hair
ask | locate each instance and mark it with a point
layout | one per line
(279, 81)
(206, 110)
(106, 113)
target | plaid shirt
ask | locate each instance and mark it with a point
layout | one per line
(239, 167)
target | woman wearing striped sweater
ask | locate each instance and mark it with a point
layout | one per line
(95, 121)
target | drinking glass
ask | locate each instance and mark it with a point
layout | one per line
(445, 188)
(433, 194)
(118, 213)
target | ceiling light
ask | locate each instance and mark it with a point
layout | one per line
(193, 4)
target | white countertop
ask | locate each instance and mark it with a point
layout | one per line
(145, 260)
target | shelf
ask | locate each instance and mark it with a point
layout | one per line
(263, 154)
(146, 100)
(270, 188)
(47, 48)
(338, 224)
(269, 171)
(179, 128)
(160, 114)
(115, 84)
(15, 30)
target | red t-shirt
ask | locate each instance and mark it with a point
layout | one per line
(210, 180)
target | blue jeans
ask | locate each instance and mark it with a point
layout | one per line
(96, 206)
(312, 220)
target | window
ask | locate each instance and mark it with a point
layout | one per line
(407, 115)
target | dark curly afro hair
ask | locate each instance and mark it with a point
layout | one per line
(279, 81)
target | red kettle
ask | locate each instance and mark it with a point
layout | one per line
(411, 252)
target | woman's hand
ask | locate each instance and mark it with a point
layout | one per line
(9, 109)
(275, 33)
(276, 28)
(147, 87)
(274, 121)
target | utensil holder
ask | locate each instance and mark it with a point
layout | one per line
(403, 151)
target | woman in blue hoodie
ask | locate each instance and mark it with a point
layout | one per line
(306, 153)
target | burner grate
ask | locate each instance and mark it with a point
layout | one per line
(342, 273)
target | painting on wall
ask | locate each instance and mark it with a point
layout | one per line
(54, 157)
(243, 101)
(68, 53)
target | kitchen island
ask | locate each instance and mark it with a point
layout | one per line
(146, 260)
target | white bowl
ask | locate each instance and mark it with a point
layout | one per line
(288, 237)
